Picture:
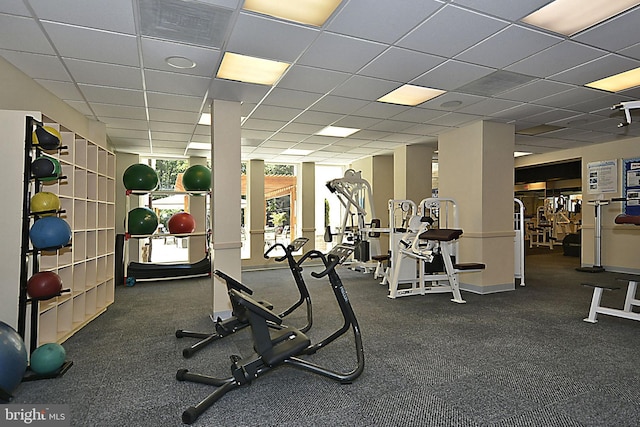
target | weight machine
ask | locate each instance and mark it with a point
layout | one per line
(425, 258)
(355, 195)
(626, 107)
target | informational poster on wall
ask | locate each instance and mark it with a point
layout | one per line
(603, 176)
(631, 186)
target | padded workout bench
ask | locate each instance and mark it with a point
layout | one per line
(629, 302)
(446, 238)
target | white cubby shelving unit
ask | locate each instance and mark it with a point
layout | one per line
(87, 196)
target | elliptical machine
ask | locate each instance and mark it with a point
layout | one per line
(284, 346)
(238, 320)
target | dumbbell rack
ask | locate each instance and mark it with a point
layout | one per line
(32, 185)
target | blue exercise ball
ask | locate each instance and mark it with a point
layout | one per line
(13, 358)
(47, 358)
(50, 232)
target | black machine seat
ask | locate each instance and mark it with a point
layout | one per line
(285, 343)
(441, 234)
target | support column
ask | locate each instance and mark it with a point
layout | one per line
(225, 202)
(378, 170)
(197, 208)
(412, 178)
(255, 205)
(306, 209)
(476, 169)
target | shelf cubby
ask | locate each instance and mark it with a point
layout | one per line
(86, 189)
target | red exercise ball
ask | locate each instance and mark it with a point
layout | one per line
(181, 223)
(44, 284)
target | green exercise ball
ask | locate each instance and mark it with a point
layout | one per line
(142, 221)
(47, 358)
(197, 178)
(46, 168)
(140, 177)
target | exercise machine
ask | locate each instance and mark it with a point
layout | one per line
(238, 320)
(626, 107)
(597, 246)
(426, 257)
(356, 197)
(518, 240)
(285, 346)
(630, 300)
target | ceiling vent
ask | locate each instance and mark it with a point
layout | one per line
(184, 21)
(495, 83)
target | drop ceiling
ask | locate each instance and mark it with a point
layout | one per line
(108, 60)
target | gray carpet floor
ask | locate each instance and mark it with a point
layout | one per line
(521, 358)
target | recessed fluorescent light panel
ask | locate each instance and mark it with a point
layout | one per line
(205, 119)
(198, 146)
(569, 17)
(618, 82)
(337, 131)
(249, 69)
(521, 153)
(309, 12)
(296, 152)
(410, 95)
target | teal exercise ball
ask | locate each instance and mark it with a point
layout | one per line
(13, 358)
(142, 221)
(47, 358)
(197, 178)
(50, 232)
(140, 177)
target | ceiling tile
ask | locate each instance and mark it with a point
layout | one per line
(112, 15)
(155, 52)
(509, 9)
(118, 111)
(112, 95)
(172, 101)
(37, 66)
(291, 98)
(597, 69)
(607, 36)
(535, 90)
(508, 46)
(570, 97)
(96, 45)
(438, 36)
(270, 112)
(555, 59)
(63, 90)
(161, 81)
(270, 39)
(312, 79)
(112, 75)
(488, 107)
(266, 125)
(381, 20)
(632, 51)
(451, 75)
(23, 35)
(318, 118)
(338, 104)
(413, 63)
(340, 53)
(173, 116)
(367, 88)
(237, 91)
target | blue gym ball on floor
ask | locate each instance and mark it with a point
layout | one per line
(13, 360)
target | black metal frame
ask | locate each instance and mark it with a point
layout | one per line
(284, 346)
(238, 321)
